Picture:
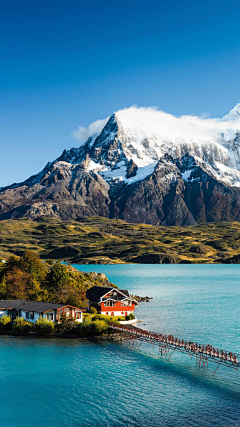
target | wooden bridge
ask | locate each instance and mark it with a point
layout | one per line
(167, 345)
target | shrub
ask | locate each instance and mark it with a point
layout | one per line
(107, 319)
(92, 310)
(86, 315)
(5, 323)
(130, 316)
(84, 329)
(43, 327)
(99, 327)
(21, 326)
(67, 327)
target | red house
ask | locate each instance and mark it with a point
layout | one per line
(111, 301)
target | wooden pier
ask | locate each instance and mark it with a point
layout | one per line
(167, 345)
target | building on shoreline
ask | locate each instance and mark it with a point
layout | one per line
(111, 301)
(32, 310)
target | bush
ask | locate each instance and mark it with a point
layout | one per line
(99, 327)
(43, 327)
(92, 310)
(67, 327)
(107, 319)
(21, 326)
(130, 316)
(86, 315)
(5, 323)
(84, 329)
(89, 327)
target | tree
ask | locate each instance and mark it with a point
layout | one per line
(57, 276)
(36, 292)
(3, 288)
(31, 264)
(92, 310)
(17, 284)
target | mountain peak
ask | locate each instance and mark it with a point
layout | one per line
(234, 114)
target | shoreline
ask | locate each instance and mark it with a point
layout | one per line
(115, 337)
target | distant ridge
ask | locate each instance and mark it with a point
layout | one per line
(100, 240)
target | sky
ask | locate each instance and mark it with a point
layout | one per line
(68, 63)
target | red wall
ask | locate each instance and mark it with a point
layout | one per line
(118, 307)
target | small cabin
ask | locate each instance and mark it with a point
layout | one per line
(111, 301)
(32, 310)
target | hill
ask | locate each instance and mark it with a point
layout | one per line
(98, 240)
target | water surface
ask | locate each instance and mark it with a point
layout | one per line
(79, 383)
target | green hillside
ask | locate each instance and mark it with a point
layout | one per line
(98, 240)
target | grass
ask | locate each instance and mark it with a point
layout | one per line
(98, 240)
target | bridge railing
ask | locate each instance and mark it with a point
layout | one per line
(201, 351)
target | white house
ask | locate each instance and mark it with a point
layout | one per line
(32, 310)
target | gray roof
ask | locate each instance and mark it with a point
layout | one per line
(38, 306)
(10, 303)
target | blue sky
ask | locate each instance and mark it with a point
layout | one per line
(66, 63)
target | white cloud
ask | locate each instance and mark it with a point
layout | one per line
(162, 127)
(94, 129)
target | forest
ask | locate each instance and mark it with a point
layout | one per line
(29, 277)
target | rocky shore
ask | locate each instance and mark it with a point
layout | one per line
(138, 298)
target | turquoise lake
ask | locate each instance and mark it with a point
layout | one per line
(69, 382)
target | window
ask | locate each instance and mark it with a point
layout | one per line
(50, 316)
(31, 314)
(27, 314)
(109, 303)
(126, 302)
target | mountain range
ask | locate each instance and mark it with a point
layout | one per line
(140, 165)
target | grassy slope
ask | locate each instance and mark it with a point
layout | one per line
(101, 240)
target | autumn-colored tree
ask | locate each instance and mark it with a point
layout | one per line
(3, 287)
(17, 283)
(30, 278)
(12, 261)
(31, 264)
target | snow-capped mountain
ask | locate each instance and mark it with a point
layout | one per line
(234, 114)
(141, 165)
(142, 136)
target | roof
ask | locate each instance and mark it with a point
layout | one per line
(124, 292)
(38, 306)
(10, 303)
(95, 293)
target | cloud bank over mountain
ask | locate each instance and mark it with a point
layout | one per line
(83, 133)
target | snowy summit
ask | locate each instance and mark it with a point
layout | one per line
(144, 135)
(140, 165)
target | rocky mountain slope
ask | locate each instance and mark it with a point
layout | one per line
(143, 166)
(98, 240)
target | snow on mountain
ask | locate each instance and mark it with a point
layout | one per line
(234, 114)
(144, 135)
(140, 165)
(127, 147)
